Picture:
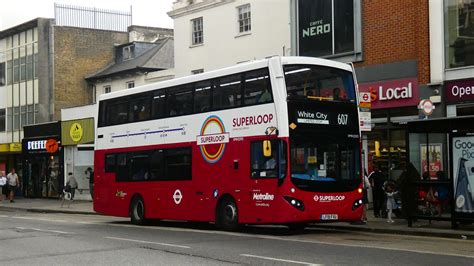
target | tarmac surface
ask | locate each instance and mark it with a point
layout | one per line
(373, 225)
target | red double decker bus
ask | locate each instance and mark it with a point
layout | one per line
(274, 141)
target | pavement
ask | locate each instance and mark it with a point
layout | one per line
(373, 225)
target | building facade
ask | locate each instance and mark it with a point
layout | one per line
(42, 70)
(387, 41)
(215, 34)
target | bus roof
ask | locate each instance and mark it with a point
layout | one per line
(226, 71)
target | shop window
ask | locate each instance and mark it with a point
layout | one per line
(459, 31)
(327, 27)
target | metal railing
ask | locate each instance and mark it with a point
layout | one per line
(92, 18)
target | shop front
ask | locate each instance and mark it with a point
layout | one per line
(42, 161)
(77, 139)
(10, 157)
(459, 97)
(393, 103)
(442, 149)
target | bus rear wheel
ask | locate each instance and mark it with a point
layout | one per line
(227, 215)
(137, 211)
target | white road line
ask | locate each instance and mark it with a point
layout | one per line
(44, 230)
(146, 242)
(276, 259)
(39, 219)
(86, 222)
(4, 216)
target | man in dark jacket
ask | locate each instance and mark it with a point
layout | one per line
(377, 179)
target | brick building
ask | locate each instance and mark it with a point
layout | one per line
(42, 69)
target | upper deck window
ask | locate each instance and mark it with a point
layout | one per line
(318, 82)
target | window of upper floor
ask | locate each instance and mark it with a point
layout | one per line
(329, 28)
(107, 89)
(127, 52)
(244, 18)
(130, 84)
(459, 33)
(197, 34)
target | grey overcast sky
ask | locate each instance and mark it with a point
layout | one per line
(144, 12)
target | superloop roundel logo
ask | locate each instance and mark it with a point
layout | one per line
(213, 139)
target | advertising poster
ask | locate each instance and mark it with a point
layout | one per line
(463, 173)
(435, 155)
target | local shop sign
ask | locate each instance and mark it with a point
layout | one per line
(459, 90)
(392, 93)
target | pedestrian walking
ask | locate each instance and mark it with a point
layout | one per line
(90, 172)
(3, 184)
(13, 183)
(72, 183)
(376, 180)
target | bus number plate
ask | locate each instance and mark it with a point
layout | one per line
(329, 217)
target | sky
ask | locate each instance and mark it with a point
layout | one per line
(144, 12)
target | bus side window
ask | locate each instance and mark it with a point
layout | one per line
(157, 165)
(122, 167)
(140, 110)
(117, 113)
(261, 166)
(140, 166)
(178, 164)
(159, 104)
(110, 163)
(202, 97)
(180, 101)
(257, 87)
(227, 92)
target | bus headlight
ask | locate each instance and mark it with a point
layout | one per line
(357, 203)
(298, 204)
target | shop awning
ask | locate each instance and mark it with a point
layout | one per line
(442, 125)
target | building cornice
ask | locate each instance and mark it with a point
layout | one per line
(193, 8)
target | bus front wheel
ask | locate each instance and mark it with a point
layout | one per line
(227, 215)
(137, 211)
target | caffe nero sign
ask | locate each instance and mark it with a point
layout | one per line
(315, 27)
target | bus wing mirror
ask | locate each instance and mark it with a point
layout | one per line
(267, 148)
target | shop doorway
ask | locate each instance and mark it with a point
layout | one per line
(43, 176)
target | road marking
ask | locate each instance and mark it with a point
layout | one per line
(276, 259)
(87, 222)
(4, 216)
(146, 242)
(39, 219)
(44, 230)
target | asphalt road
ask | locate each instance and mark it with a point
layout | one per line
(40, 239)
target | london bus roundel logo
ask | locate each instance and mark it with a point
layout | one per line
(213, 139)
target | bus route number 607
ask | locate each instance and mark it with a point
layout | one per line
(342, 119)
